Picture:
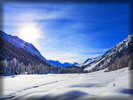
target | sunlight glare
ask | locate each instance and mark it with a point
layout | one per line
(29, 32)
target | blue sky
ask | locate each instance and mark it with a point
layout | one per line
(71, 32)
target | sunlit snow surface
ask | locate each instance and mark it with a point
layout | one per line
(67, 85)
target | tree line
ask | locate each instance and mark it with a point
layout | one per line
(14, 67)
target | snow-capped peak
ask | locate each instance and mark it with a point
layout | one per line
(16, 41)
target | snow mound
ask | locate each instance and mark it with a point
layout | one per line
(70, 86)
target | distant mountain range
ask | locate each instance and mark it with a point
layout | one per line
(64, 65)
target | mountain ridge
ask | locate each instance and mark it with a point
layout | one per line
(16, 41)
(115, 58)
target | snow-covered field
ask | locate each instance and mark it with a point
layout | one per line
(70, 86)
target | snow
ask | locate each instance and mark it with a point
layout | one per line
(98, 83)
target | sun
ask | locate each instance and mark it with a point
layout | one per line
(29, 32)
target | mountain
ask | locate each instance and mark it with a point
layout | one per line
(16, 41)
(89, 61)
(18, 56)
(115, 58)
(63, 65)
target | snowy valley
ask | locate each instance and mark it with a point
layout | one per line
(66, 50)
(105, 75)
(67, 86)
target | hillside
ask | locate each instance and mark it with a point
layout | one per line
(16, 59)
(115, 58)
